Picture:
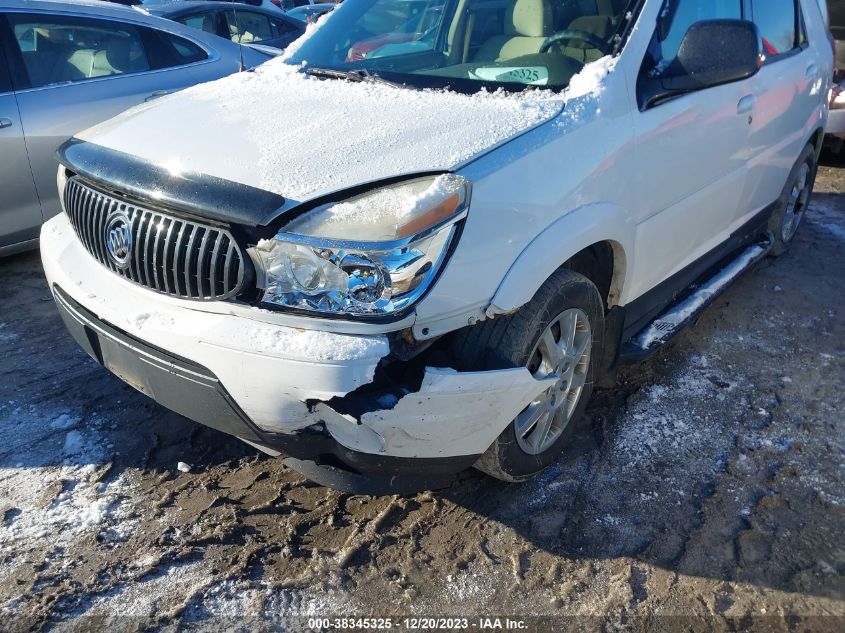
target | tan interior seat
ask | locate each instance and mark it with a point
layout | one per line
(83, 60)
(49, 63)
(118, 57)
(601, 25)
(527, 25)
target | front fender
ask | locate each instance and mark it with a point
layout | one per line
(559, 242)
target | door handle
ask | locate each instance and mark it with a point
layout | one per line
(4, 123)
(157, 94)
(746, 104)
(812, 71)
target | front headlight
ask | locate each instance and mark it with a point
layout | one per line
(372, 255)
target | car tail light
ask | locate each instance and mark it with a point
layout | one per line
(278, 3)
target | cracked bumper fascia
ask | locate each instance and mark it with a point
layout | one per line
(452, 414)
(285, 391)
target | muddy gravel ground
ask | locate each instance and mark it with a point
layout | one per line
(708, 485)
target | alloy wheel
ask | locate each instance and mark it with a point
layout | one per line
(796, 206)
(563, 351)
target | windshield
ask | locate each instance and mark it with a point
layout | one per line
(467, 44)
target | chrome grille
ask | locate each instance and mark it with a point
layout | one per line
(168, 254)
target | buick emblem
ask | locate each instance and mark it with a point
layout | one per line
(119, 239)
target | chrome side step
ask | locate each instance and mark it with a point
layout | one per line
(669, 323)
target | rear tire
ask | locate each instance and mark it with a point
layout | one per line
(793, 202)
(569, 309)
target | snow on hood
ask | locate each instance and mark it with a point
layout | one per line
(302, 137)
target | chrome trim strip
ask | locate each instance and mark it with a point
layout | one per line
(158, 259)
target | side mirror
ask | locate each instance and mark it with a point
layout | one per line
(712, 53)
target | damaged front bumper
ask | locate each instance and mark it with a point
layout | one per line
(303, 394)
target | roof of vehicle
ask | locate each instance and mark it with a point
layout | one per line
(185, 6)
(321, 7)
(80, 6)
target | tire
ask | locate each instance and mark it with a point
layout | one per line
(793, 202)
(569, 302)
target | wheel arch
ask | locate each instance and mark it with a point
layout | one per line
(582, 240)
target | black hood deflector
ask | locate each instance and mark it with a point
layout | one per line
(196, 194)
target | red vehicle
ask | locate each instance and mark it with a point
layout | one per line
(362, 49)
(417, 28)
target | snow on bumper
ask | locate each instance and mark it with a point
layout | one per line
(271, 370)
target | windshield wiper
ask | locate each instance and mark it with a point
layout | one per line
(351, 75)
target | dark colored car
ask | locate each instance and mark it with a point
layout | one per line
(240, 23)
(836, 9)
(310, 12)
(148, 3)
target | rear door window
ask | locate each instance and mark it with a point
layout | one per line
(5, 78)
(246, 27)
(201, 21)
(283, 28)
(63, 49)
(186, 51)
(779, 24)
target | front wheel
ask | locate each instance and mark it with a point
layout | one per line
(557, 334)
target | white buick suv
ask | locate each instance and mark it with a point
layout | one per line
(417, 242)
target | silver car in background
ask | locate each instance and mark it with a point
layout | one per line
(835, 130)
(65, 66)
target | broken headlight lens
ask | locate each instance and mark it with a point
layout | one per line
(372, 255)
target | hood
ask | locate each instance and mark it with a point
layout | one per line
(302, 137)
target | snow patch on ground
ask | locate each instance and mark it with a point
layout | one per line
(6, 335)
(147, 597)
(64, 421)
(81, 506)
(834, 229)
(237, 599)
(661, 425)
(53, 485)
(73, 443)
(468, 585)
(826, 217)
